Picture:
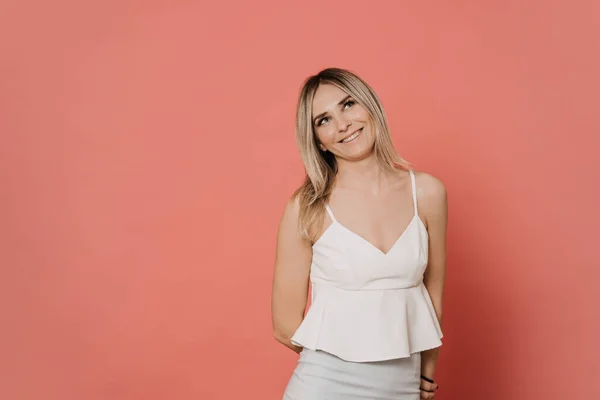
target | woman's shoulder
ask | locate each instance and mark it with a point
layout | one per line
(429, 187)
(292, 205)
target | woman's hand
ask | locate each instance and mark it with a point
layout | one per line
(428, 389)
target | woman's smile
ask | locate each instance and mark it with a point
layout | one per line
(352, 137)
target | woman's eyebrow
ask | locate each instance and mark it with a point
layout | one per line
(339, 104)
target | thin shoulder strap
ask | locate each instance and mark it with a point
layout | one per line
(330, 212)
(414, 191)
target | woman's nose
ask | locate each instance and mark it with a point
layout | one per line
(344, 123)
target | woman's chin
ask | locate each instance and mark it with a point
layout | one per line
(359, 153)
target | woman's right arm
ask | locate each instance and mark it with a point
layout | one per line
(291, 276)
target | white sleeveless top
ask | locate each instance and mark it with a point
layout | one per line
(368, 305)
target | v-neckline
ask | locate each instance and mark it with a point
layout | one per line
(371, 244)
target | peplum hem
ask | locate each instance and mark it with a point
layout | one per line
(370, 325)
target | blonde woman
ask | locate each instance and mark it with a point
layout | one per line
(369, 235)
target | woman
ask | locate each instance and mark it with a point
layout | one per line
(369, 235)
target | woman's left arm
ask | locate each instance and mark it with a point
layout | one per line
(433, 204)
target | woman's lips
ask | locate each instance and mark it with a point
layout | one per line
(351, 137)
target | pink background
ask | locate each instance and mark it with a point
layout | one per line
(148, 151)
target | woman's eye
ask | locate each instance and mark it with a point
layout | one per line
(321, 121)
(349, 102)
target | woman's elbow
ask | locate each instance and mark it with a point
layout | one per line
(282, 332)
(281, 336)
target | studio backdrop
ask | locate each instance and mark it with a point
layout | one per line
(148, 151)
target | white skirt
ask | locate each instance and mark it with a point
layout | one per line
(322, 376)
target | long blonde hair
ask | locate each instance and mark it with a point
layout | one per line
(320, 166)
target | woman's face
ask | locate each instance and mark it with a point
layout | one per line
(342, 126)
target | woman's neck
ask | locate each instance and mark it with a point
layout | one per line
(365, 174)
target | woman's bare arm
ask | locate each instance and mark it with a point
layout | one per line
(291, 277)
(434, 207)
